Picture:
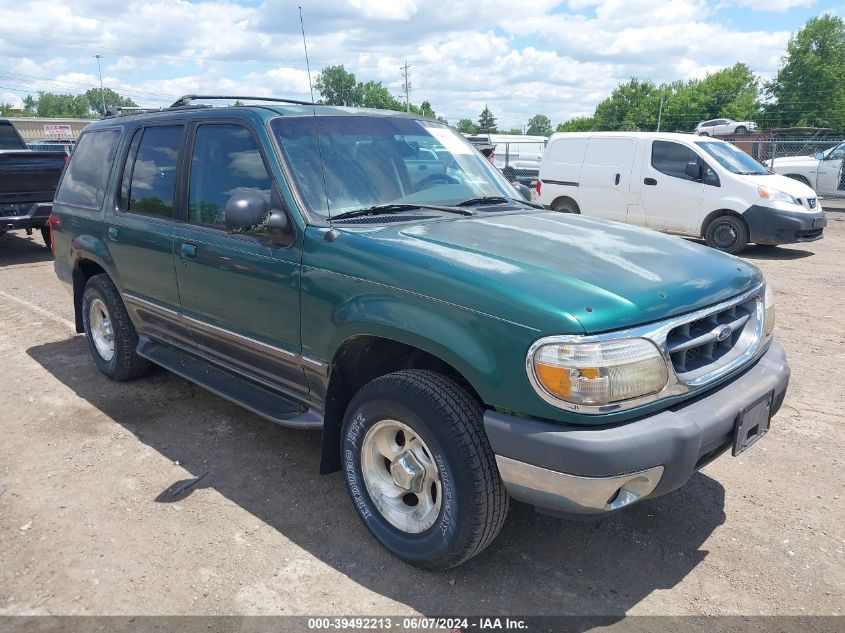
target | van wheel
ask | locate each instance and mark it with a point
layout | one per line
(566, 206)
(420, 469)
(111, 335)
(727, 233)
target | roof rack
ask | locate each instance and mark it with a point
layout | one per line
(188, 99)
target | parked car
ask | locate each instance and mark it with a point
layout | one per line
(679, 184)
(824, 171)
(457, 346)
(517, 156)
(724, 127)
(28, 181)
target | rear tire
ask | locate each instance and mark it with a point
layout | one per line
(45, 235)
(420, 469)
(111, 335)
(566, 206)
(727, 233)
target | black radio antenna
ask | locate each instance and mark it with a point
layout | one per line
(331, 236)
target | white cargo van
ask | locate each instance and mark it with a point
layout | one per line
(678, 183)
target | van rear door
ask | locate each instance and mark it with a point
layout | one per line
(606, 177)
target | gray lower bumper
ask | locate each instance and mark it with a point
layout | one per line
(25, 215)
(590, 470)
(772, 226)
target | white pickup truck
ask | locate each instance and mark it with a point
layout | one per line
(823, 171)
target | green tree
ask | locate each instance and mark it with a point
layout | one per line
(466, 126)
(426, 109)
(338, 87)
(631, 106)
(51, 104)
(374, 95)
(539, 125)
(486, 121)
(109, 96)
(809, 90)
(578, 124)
(731, 92)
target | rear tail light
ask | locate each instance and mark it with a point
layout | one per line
(55, 224)
(539, 184)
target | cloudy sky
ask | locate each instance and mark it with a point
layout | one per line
(520, 58)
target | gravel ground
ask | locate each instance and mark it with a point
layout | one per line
(88, 524)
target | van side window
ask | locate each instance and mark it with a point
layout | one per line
(152, 171)
(85, 179)
(225, 162)
(672, 158)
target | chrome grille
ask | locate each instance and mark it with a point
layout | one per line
(702, 346)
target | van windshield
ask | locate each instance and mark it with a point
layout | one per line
(733, 159)
(369, 161)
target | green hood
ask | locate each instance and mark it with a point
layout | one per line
(553, 272)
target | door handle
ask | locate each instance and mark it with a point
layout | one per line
(650, 181)
(188, 250)
(618, 176)
(113, 233)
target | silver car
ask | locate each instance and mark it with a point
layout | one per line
(724, 127)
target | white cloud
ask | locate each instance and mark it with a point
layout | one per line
(518, 58)
(12, 99)
(776, 6)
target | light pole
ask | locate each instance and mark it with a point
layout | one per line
(102, 94)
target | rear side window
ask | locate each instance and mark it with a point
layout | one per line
(149, 178)
(84, 182)
(672, 158)
(9, 138)
(226, 162)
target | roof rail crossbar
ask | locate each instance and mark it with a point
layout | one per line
(187, 99)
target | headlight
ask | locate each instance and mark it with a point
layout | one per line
(598, 373)
(768, 310)
(775, 195)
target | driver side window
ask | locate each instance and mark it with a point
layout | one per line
(225, 162)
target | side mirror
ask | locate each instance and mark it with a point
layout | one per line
(244, 211)
(693, 170)
(280, 232)
(819, 155)
(524, 191)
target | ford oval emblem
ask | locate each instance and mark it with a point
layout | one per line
(723, 332)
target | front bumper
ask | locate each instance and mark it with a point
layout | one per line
(774, 226)
(25, 215)
(592, 470)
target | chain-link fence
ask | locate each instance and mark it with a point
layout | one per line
(819, 163)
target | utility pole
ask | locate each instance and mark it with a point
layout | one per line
(660, 112)
(102, 93)
(407, 86)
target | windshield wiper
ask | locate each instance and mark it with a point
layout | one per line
(474, 202)
(380, 209)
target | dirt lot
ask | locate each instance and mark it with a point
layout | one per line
(87, 524)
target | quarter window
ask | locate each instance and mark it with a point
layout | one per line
(84, 182)
(149, 178)
(225, 162)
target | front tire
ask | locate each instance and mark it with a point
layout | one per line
(111, 335)
(420, 469)
(566, 206)
(727, 233)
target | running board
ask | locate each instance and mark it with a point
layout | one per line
(227, 384)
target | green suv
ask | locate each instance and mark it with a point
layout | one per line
(370, 274)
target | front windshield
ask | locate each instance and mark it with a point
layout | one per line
(835, 153)
(733, 159)
(376, 160)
